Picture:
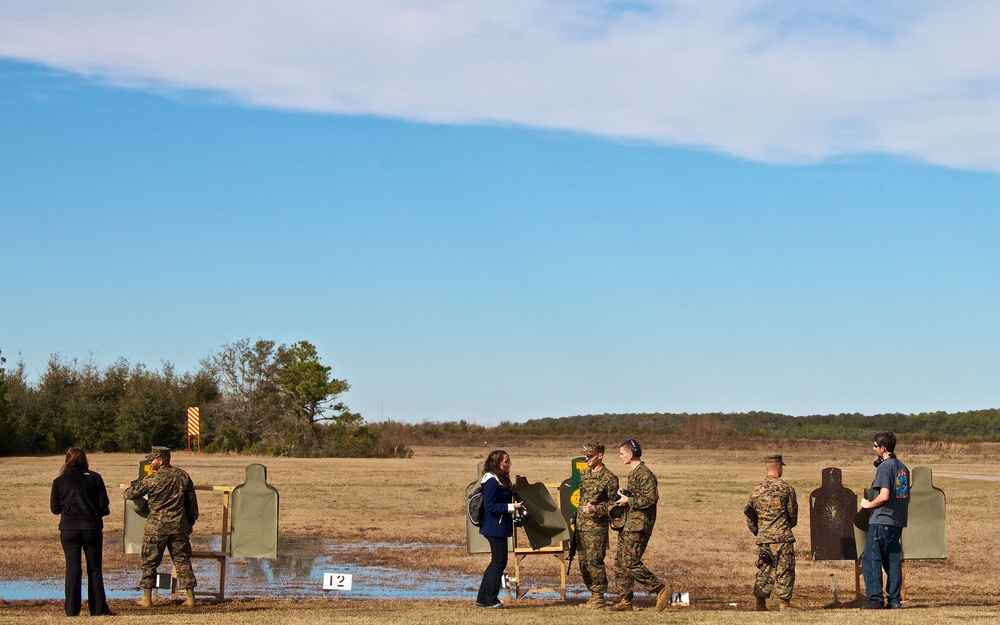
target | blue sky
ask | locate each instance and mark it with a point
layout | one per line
(557, 209)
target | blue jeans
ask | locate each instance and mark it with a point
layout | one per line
(489, 588)
(883, 552)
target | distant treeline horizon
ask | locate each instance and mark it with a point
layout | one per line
(967, 427)
(260, 397)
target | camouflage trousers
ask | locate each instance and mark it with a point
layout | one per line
(591, 548)
(179, 546)
(629, 569)
(779, 575)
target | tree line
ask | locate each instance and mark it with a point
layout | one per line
(264, 398)
(708, 430)
(967, 426)
(254, 397)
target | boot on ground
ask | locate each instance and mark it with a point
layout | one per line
(596, 601)
(189, 597)
(147, 598)
(761, 605)
(625, 605)
(785, 605)
(662, 598)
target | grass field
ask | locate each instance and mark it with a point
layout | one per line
(700, 544)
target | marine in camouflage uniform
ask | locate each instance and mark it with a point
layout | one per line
(173, 510)
(777, 513)
(640, 516)
(598, 492)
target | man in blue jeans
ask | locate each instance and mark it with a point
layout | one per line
(882, 548)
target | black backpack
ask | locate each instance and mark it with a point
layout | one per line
(475, 507)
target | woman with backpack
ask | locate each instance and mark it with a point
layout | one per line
(498, 523)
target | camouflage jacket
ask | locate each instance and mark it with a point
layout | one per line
(777, 511)
(600, 489)
(641, 513)
(173, 505)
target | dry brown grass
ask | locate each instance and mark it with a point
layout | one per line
(700, 543)
(374, 612)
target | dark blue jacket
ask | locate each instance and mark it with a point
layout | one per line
(498, 521)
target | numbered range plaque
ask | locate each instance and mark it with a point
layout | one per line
(337, 581)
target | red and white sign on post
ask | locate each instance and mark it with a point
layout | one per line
(194, 427)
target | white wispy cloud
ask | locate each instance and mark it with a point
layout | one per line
(779, 81)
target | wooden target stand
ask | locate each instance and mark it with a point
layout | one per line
(516, 588)
(219, 556)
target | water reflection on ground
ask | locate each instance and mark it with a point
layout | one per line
(296, 572)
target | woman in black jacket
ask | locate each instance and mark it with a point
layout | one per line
(79, 495)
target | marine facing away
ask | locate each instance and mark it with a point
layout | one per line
(173, 510)
(771, 514)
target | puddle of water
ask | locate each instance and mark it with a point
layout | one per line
(21, 590)
(296, 572)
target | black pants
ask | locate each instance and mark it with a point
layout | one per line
(90, 542)
(489, 589)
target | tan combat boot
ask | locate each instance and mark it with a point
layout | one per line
(596, 601)
(761, 605)
(785, 605)
(189, 597)
(625, 605)
(662, 598)
(147, 598)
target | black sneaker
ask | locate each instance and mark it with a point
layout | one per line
(495, 606)
(873, 605)
(894, 606)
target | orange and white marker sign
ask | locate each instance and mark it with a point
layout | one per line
(194, 422)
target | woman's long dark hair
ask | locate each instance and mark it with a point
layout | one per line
(75, 457)
(492, 465)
